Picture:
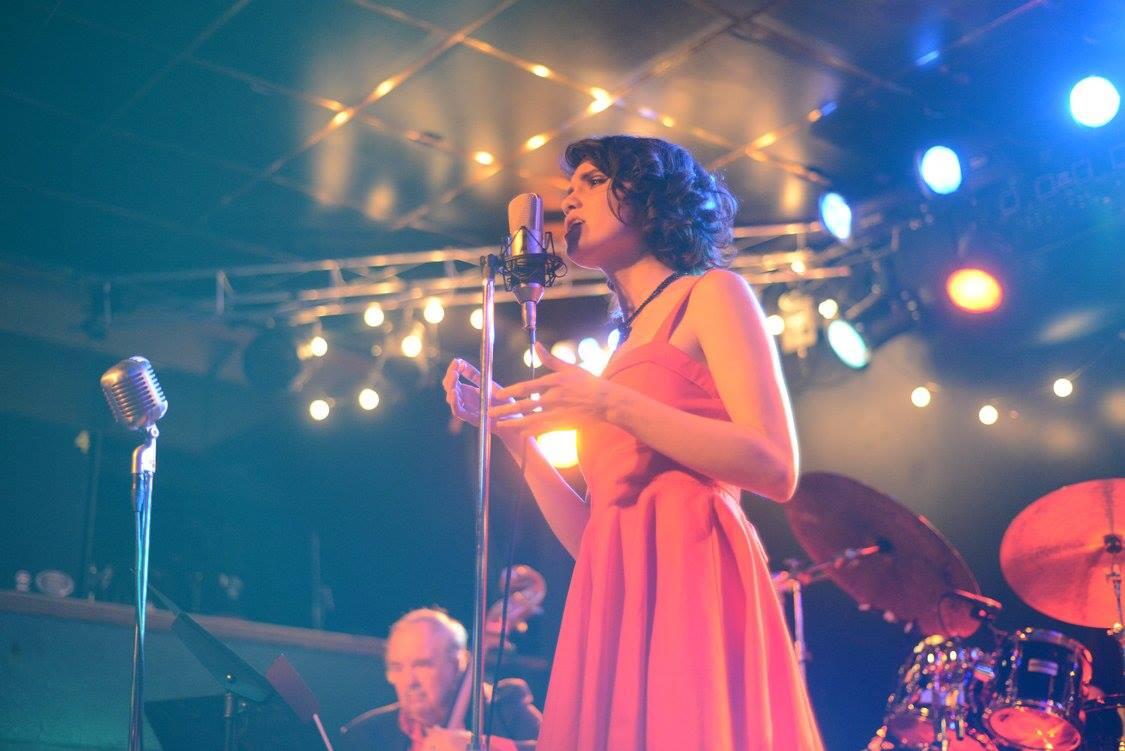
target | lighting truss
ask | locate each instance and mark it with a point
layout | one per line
(302, 292)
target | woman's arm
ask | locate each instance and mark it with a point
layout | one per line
(565, 511)
(757, 450)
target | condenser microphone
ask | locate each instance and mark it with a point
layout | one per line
(526, 261)
(134, 394)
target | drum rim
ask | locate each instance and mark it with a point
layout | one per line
(991, 710)
(1052, 637)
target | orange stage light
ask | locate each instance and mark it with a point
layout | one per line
(974, 290)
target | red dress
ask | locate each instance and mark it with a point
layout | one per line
(672, 638)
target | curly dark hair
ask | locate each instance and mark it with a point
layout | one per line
(684, 212)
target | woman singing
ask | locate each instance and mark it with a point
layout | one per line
(672, 638)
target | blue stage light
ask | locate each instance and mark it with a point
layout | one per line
(940, 169)
(1094, 101)
(836, 216)
(848, 344)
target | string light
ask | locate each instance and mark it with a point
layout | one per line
(373, 316)
(318, 346)
(528, 356)
(921, 397)
(483, 158)
(368, 399)
(535, 142)
(1063, 387)
(412, 345)
(319, 409)
(565, 351)
(988, 415)
(828, 308)
(434, 312)
(775, 324)
(541, 70)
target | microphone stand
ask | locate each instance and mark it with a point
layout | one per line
(489, 266)
(144, 469)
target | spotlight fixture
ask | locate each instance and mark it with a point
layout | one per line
(939, 167)
(869, 324)
(836, 216)
(560, 448)
(974, 290)
(1094, 101)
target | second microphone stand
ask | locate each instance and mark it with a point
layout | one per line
(144, 470)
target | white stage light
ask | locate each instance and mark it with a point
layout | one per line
(836, 216)
(940, 169)
(1094, 101)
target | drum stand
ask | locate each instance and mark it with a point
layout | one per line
(1117, 631)
(793, 581)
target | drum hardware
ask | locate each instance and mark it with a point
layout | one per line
(794, 579)
(1032, 690)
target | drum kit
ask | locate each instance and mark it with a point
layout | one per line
(1062, 555)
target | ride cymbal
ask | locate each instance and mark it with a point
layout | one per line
(1057, 554)
(916, 570)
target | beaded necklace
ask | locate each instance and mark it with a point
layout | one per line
(626, 326)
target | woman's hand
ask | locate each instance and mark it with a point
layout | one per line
(462, 392)
(568, 397)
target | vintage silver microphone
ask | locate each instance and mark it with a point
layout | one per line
(529, 262)
(134, 394)
(137, 401)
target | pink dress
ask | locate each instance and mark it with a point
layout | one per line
(672, 638)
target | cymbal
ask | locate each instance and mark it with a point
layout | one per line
(915, 572)
(1056, 553)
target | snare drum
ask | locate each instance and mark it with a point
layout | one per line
(1036, 702)
(940, 672)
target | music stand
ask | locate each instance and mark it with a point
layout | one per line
(266, 719)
